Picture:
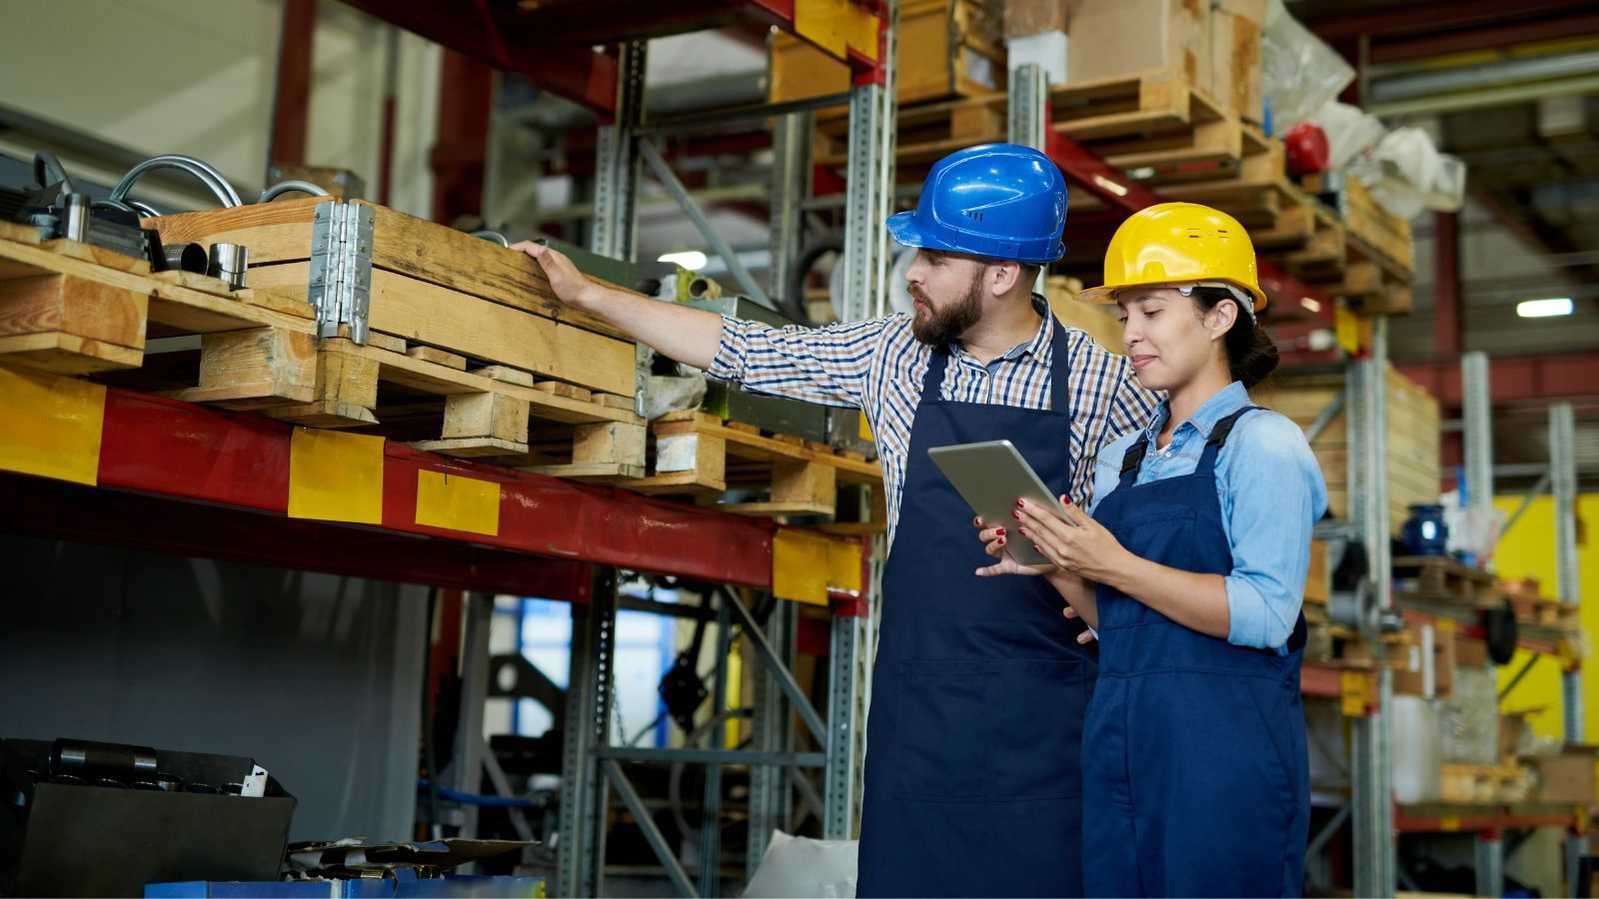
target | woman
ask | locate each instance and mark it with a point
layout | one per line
(1190, 566)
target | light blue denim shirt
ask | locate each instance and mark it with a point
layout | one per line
(1271, 493)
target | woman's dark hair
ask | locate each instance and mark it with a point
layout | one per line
(1251, 354)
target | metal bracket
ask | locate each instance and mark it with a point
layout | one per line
(340, 286)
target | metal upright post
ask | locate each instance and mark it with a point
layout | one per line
(1367, 397)
(711, 808)
(869, 196)
(1478, 433)
(1490, 858)
(585, 794)
(1563, 480)
(848, 704)
(791, 156)
(1028, 91)
(614, 229)
(466, 769)
(769, 785)
(1563, 483)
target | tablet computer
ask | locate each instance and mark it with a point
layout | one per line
(991, 476)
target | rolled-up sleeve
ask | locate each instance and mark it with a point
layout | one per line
(819, 365)
(1272, 495)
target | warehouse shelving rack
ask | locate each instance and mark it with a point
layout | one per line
(1488, 825)
(154, 473)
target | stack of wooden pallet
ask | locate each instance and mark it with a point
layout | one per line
(1413, 466)
(465, 350)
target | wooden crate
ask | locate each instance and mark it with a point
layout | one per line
(701, 456)
(1446, 580)
(1484, 784)
(1414, 434)
(1387, 234)
(948, 48)
(431, 286)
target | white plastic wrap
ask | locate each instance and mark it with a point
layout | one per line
(1351, 133)
(1406, 174)
(672, 393)
(1415, 745)
(800, 866)
(1301, 74)
(1469, 719)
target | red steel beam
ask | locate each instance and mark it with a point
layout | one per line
(1433, 17)
(291, 99)
(460, 156)
(1514, 379)
(162, 447)
(1449, 325)
(1491, 37)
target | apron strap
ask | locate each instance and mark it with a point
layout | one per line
(1133, 460)
(1060, 364)
(935, 374)
(1218, 439)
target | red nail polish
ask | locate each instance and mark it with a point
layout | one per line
(1016, 515)
(1020, 503)
(1000, 532)
(1002, 541)
(1022, 531)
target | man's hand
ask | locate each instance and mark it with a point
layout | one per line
(569, 284)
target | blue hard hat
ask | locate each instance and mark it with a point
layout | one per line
(1002, 201)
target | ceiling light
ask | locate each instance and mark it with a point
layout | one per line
(1310, 304)
(693, 260)
(1544, 308)
(1119, 190)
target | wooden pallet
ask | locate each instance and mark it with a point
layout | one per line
(76, 309)
(1154, 124)
(431, 285)
(701, 456)
(1443, 578)
(1484, 784)
(1387, 234)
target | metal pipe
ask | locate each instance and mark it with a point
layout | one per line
(491, 237)
(185, 257)
(1538, 68)
(663, 174)
(144, 209)
(290, 186)
(1485, 97)
(75, 216)
(201, 170)
(228, 261)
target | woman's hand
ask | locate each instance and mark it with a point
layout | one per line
(994, 544)
(1078, 544)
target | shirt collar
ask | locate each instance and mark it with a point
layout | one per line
(1226, 401)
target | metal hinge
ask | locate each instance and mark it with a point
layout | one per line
(340, 285)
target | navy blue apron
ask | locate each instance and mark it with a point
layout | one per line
(1195, 776)
(972, 784)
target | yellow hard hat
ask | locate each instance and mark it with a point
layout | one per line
(1179, 244)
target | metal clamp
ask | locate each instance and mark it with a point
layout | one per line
(340, 285)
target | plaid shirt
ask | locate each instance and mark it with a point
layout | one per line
(878, 366)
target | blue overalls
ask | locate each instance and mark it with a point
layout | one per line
(979, 687)
(1195, 776)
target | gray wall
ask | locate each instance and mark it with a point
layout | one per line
(316, 677)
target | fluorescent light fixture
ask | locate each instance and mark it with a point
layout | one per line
(1116, 188)
(1310, 304)
(1544, 308)
(693, 260)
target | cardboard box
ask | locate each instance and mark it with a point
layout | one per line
(1429, 669)
(1567, 777)
(1025, 17)
(1470, 652)
(947, 48)
(1236, 27)
(1116, 38)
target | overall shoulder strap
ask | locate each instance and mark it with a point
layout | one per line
(1133, 460)
(935, 374)
(1060, 363)
(1218, 439)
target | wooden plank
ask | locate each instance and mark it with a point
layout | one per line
(426, 313)
(98, 255)
(274, 232)
(595, 472)
(473, 447)
(436, 356)
(262, 366)
(457, 260)
(570, 391)
(88, 309)
(67, 354)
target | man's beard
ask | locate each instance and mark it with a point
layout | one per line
(949, 323)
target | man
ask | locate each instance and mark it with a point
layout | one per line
(972, 783)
